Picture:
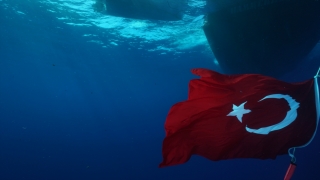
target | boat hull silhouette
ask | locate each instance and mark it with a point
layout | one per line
(263, 36)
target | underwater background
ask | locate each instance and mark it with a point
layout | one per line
(84, 95)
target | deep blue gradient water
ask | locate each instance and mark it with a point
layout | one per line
(85, 98)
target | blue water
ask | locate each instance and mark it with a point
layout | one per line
(85, 96)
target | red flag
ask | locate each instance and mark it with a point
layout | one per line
(239, 116)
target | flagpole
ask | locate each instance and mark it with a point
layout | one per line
(292, 165)
(316, 91)
(317, 75)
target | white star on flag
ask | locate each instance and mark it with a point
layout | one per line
(239, 111)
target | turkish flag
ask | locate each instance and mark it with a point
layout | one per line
(239, 116)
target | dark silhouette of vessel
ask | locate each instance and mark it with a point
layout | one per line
(263, 36)
(165, 10)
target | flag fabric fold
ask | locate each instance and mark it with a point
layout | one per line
(239, 116)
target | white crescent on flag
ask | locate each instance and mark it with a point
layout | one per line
(291, 115)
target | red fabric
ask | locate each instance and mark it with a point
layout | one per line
(200, 125)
